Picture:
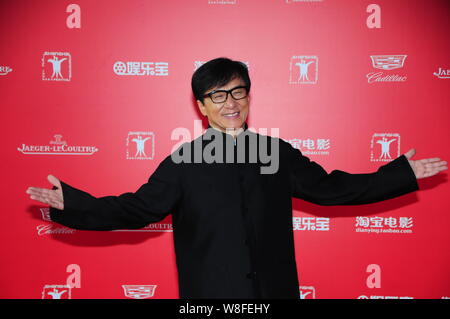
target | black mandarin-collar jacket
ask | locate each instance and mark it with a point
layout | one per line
(232, 226)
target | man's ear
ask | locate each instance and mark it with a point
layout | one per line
(201, 107)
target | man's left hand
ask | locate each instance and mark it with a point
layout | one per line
(425, 167)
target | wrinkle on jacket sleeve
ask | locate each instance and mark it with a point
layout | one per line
(312, 183)
(150, 203)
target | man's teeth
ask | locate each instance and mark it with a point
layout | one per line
(232, 114)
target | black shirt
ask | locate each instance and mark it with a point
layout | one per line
(232, 225)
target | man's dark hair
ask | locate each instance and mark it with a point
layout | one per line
(217, 73)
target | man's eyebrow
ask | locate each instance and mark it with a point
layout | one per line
(229, 88)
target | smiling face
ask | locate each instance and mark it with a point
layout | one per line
(228, 116)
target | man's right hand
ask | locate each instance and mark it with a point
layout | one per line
(52, 197)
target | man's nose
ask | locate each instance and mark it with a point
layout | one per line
(230, 102)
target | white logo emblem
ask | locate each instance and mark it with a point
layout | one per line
(5, 70)
(311, 223)
(304, 69)
(56, 66)
(307, 292)
(384, 225)
(442, 74)
(141, 68)
(309, 146)
(381, 146)
(140, 145)
(57, 147)
(56, 292)
(386, 63)
(139, 291)
(384, 297)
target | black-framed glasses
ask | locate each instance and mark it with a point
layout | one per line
(220, 96)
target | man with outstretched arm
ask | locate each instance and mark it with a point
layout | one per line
(232, 221)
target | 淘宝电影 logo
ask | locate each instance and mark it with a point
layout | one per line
(310, 146)
(384, 225)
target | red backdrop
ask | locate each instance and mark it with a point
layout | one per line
(80, 81)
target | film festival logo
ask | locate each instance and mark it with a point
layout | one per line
(309, 146)
(141, 68)
(140, 146)
(381, 146)
(139, 291)
(57, 147)
(386, 63)
(56, 66)
(4, 69)
(307, 292)
(56, 292)
(304, 69)
(442, 73)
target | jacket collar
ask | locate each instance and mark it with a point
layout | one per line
(212, 128)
